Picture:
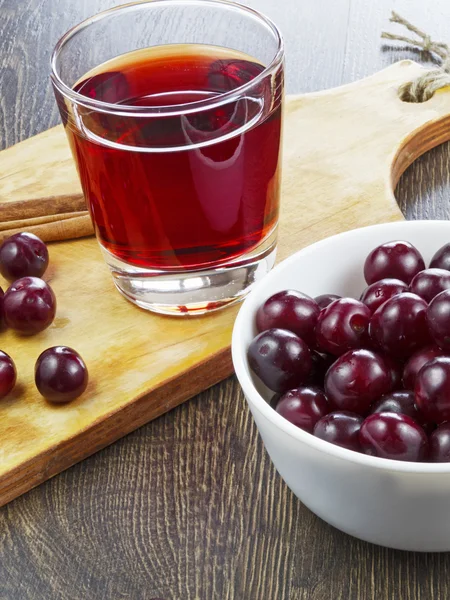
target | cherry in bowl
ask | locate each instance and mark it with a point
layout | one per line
(290, 310)
(401, 402)
(303, 406)
(280, 359)
(438, 319)
(355, 380)
(394, 436)
(416, 362)
(377, 293)
(440, 444)
(340, 428)
(342, 326)
(429, 283)
(441, 259)
(325, 299)
(397, 260)
(399, 326)
(432, 390)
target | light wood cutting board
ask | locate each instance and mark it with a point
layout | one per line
(344, 150)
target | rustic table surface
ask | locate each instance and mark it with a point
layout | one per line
(189, 506)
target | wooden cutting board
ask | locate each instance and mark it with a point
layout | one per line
(344, 150)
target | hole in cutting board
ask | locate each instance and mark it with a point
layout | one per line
(422, 169)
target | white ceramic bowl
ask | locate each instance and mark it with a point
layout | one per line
(402, 505)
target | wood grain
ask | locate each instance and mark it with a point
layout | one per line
(189, 507)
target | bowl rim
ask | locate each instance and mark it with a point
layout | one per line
(255, 399)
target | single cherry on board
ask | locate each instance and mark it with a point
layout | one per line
(2, 309)
(30, 305)
(23, 255)
(60, 374)
(7, 374)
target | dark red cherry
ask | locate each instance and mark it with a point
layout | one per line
(377, 293)
(23, 255)
(325, 299)
(289, 310)
(432, 390)
(399, 326)
(357, 379)
(394, 436)
(441, 260)
(395, 370)
(440, 444)
(280, 359)
(60, 374)
(2, 309)
(30, 305)
(320, 365)
(343, 325)
(340, 428)
(438, 318)
(396, 260)
(401, 402)
(416, 362)
(429, 283)
(7, 374)
(303, 406)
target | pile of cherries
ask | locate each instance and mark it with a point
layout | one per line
(371, 375)
(28, 306)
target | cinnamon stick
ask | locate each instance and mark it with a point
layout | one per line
(24, 224)
(62, 229)
(41, 207)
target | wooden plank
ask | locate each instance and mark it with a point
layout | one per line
(339, 149)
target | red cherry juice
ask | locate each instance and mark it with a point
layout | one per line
(189, 189)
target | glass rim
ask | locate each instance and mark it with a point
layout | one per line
(170, 109)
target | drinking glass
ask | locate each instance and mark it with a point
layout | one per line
(173, 111)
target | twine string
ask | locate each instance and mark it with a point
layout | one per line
(422, 88)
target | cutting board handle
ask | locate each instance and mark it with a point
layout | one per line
(356, 141)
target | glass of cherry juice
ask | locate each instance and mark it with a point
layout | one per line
(173, 111)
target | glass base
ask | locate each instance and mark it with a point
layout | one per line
(183, 293)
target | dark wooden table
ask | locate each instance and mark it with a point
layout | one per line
(189, 507)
